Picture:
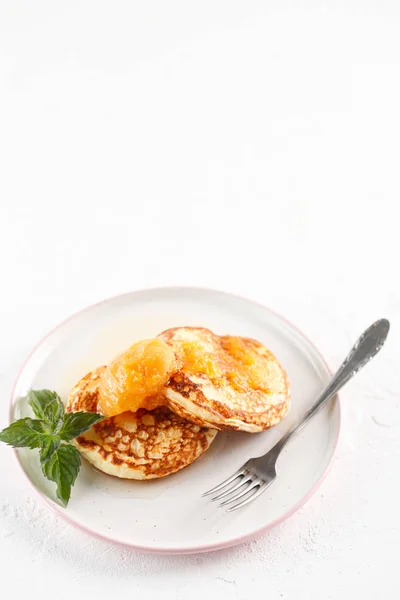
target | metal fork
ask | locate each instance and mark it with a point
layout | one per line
(257, 474)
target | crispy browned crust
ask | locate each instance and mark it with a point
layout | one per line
(195, 398)
(85, 394)
(218, 412)
(181, 452)
(144, 445)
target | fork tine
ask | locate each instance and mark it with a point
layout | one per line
(257, 493)
(241, 482)
(226, 482)
(254, 483)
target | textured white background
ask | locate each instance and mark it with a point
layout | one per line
(248, 146)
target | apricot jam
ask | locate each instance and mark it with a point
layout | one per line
(235, 360)
(245, 366)
(196, 360)
(134, 379)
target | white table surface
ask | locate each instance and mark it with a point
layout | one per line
(247, 146)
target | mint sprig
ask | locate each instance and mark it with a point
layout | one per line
(63, 467)
(28, 433)
(76, 423)
(46, 405)
(51, 431)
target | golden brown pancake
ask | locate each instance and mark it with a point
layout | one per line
(142, 445)
(225, 382)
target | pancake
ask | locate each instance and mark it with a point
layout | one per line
(225, 382)
(144, 445)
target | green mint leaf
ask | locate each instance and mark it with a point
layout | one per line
(49, 446)
(75, 423)
(54, 412)
(28, 433)
(60, 462)
(46, 405)
(63, 467)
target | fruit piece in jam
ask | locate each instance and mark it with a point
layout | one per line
(235, 359)
(135, 379)
(247, 363)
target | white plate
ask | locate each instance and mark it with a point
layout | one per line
(169, 515)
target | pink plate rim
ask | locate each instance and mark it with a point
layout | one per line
(193, 549)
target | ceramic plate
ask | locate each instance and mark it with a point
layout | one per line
(170, 515)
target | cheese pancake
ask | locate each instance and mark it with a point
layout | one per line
(142, 445)
(225, 382)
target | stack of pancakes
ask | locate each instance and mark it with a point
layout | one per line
(215, 383)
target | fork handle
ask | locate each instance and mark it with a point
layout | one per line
(363, 350)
